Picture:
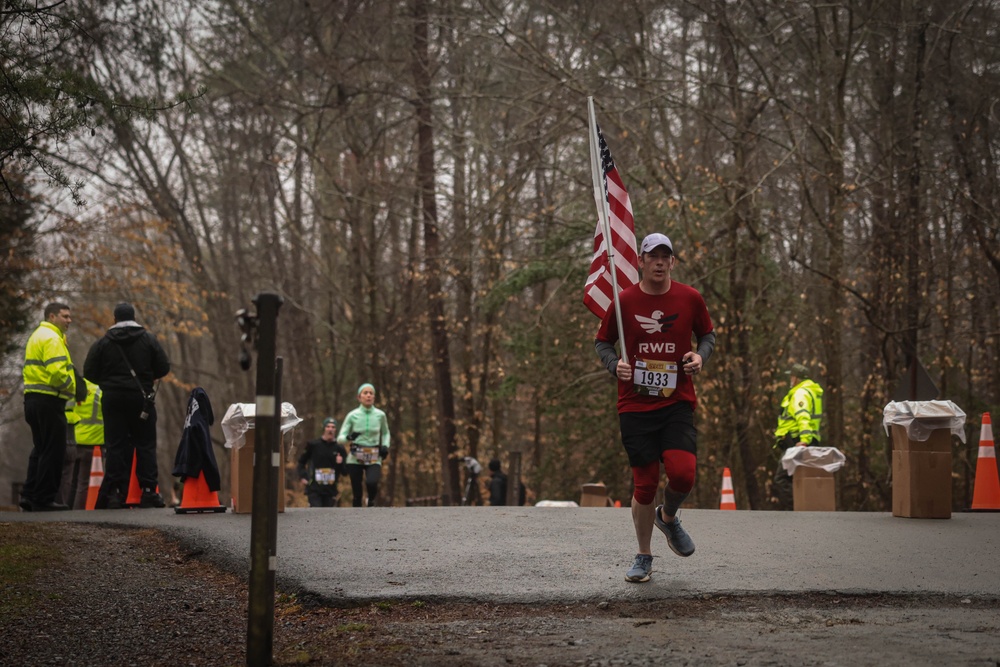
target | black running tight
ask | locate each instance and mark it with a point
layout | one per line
(364, 477)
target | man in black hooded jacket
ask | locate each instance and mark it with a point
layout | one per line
(125, 363)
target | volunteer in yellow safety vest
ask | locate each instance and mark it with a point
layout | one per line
(49, 381)
(88, 432)
(798, 424)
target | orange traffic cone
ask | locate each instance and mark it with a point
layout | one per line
(134, 490)
(987, 489)
(728, 500)
(197, 497)
(96, 477)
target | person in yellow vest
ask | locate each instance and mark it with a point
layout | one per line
(86, 431)
(798, 424)
(49, 381)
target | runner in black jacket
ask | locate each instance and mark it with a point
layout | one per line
(321, 465)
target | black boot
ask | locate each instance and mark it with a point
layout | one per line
(151, 498)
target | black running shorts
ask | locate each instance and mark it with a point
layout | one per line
(646, 435)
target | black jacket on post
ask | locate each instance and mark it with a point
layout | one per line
(107, 367)
(195, 455)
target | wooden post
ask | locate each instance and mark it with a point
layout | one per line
(264, 518)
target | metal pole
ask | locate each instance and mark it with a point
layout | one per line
(275, 485)
(263, 526)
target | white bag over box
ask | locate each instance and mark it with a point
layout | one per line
(239, 419)
(921, 455)
(238, 427)
(812, 469)
(922, 420)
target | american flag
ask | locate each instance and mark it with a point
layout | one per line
(598, 293)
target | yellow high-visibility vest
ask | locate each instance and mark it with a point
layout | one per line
(88, 417)
(801, 412)
(48, 368)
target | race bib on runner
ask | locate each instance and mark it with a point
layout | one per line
(654, 377)
(366, 455)
(325, 475)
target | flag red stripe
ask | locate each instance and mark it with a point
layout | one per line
(598, 291)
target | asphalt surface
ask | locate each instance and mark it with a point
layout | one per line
(536, 554)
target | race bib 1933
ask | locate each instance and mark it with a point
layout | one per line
(655, 378)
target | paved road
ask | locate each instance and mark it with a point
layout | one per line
(534, 554)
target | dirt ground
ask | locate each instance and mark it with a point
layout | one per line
(73, 594)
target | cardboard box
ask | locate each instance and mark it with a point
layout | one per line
(594, 495)
(921, 473)
(241, 477)
(921, 484)
(813, 490)
(939, 440)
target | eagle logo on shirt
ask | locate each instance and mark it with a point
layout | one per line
(657, 323)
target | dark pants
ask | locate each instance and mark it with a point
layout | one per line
(125, 436)
(67, 487)
(322, 496)
(84, 461)
(782, 485)
(47, 418)
(364, 476)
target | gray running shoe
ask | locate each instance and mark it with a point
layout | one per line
(677, 538)
(641, 568)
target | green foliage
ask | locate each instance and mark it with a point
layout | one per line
(516, 282)
(47, 98)
(17, 249)
(44, 100)
(353, 627)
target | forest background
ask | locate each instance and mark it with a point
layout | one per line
(413, 179)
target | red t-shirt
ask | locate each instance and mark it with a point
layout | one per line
(658, 331)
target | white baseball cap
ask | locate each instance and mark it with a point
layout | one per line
(654, 240)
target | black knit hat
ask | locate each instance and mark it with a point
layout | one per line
(124, 312)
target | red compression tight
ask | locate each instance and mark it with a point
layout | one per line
(680, 467)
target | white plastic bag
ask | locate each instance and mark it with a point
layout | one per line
(829, 459)
(240, 418)
(921, 418)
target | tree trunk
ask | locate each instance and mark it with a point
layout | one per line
(450, 481)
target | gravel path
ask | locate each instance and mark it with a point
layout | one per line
(127, 597)
(122, 597)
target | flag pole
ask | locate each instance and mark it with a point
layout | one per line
(604, 214)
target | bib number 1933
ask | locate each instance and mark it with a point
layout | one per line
(655, 378)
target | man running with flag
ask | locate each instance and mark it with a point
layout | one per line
(656, 320)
